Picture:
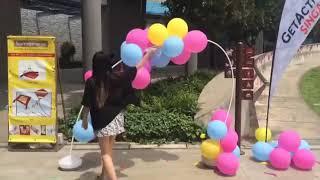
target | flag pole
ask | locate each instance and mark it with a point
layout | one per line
(271, 75)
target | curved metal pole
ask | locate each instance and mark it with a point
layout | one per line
(232, 74)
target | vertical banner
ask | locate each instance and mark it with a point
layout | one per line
(32, 89)
(298, 19)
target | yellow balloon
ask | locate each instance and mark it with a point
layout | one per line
(261, 134)
(177, 27)
(202, 135)
(157, 34)
(210, 149)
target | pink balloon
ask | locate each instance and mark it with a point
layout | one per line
(229, 142)
(289, 140)
(148, 66)
(142, 79)
(228, 164)
(87, 75)
(138, 37)
(304, 159)
(182, 58)
(195, 41)
(280, 159)
(221, 115)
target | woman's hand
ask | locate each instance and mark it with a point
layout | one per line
(85, 112)
(85, 125)
(147, 57)
(151, 51)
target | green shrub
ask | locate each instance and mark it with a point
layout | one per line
(167, 111)
(175, 95)
(151, 127)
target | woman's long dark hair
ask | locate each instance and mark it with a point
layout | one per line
(101, 67)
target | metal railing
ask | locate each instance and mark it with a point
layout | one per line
(262, 66)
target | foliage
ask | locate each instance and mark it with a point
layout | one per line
(161, 127)
(236, 20)
(229, 19)
(67, 49)
(167, 110)
(66, 60)
(175, 95)
(310, 89)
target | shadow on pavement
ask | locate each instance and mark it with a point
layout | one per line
(202, 166)
(90, 175)
(123, 159)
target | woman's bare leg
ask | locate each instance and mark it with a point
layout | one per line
(111, 143)
(106, 155)
(102, 175)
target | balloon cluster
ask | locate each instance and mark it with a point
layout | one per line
(222, 147)
(173, 42)
(289, 148)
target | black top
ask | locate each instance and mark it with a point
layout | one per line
(120, 95)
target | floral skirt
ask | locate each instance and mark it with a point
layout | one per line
(115, 127)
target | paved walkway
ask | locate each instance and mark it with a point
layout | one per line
(216, 94)
(139, 164)
(288, 108)
(288, 111)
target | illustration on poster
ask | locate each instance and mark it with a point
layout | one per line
(34, 70)
(40, 101)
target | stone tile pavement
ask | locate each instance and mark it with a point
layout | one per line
(137, 164)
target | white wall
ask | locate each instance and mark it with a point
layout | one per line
(54, 25)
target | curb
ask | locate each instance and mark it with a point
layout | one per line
(124, 146)
(135, 146)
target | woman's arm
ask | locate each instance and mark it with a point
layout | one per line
(86, 99)
(84, 117)
(146, 57)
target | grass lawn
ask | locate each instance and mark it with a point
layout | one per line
(310, 88)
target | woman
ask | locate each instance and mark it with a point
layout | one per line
(106, 95)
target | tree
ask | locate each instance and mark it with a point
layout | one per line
(222, 20)
(271, 11)
(230, 20)
(67, 51)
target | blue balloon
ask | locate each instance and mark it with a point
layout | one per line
(173, 46)
(261, 151)
(274, 144)
(122, 45)
(217, 130)
(236, 151)
(131, 54)
(160, 60)
(304, 145)
(83, 135)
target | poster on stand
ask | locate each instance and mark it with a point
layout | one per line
(32, 95)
